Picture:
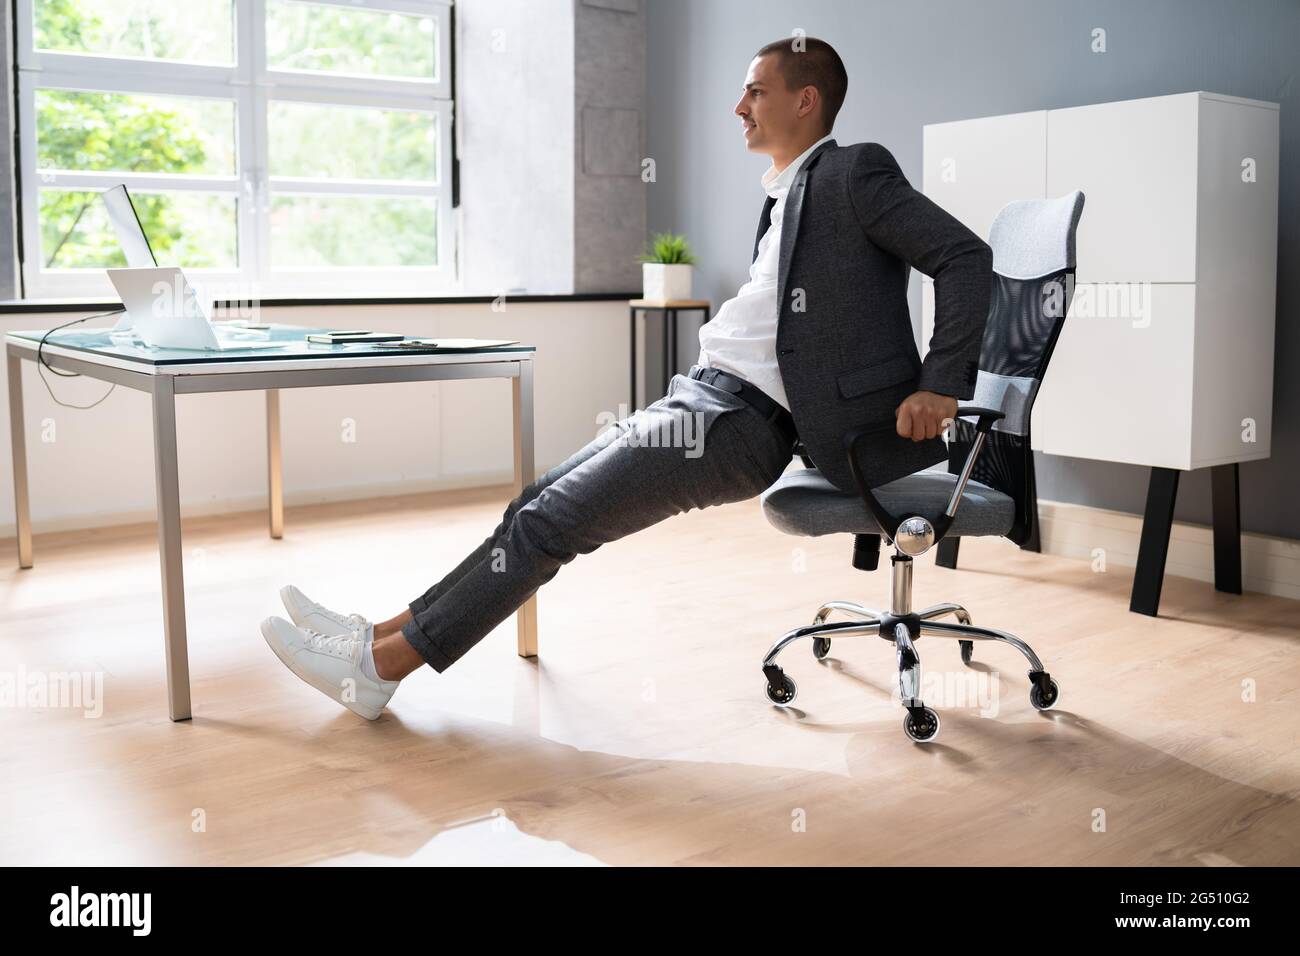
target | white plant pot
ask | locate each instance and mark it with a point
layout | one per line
(663, 282)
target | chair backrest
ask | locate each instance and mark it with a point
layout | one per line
(1033, 282)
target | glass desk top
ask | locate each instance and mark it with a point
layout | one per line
(292, 339)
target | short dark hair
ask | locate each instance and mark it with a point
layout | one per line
(813, 63)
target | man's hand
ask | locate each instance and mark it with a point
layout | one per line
(923, 414)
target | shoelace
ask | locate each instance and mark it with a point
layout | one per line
(351, 621)
(340, 645)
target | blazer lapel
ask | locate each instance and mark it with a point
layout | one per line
(764, 221)
(790, 223)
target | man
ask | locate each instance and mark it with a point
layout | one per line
(818, 342)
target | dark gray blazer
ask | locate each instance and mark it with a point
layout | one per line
(853, 225)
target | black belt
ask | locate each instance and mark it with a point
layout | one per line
(764, 404)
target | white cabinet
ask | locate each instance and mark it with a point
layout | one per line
(1166, 357)
(1128, 390)
(973, 168)
(1136, 163)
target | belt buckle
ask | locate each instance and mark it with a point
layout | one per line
(727, 382)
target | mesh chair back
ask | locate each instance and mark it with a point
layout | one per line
(1033, 282)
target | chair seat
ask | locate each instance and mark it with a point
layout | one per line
(803, 502)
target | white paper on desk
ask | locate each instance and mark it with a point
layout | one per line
(472, 343)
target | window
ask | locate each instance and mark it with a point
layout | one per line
(295, 147)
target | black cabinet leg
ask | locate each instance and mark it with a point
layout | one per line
(1154, 546)
(947, 556)
(1226, 504)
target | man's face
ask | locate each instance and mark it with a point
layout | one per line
(769, 112)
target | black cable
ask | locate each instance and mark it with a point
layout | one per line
(40, 361)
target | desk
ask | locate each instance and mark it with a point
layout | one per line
(166, 373)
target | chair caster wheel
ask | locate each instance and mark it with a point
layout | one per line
(967, 651)
(821, 647)
(784, 694)
(1044, 694)
(921, 724)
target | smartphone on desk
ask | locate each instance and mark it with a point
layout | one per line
(353, 335)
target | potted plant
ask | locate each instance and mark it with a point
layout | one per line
(666, 268)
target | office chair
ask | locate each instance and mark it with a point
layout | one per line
(988, 489)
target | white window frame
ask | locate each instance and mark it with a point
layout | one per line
(251, 86)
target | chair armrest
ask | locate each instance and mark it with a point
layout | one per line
(987, 417)
(888, 522)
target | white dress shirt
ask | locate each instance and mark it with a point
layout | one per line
(741, 337)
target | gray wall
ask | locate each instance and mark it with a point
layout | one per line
(937, 60)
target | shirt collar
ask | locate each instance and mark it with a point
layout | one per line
(775, 183)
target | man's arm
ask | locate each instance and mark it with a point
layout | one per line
(908, 224)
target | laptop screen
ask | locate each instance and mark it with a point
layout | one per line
(126, 223)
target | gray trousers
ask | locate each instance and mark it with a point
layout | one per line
(696, 447)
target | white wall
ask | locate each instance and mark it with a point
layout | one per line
(95, 467)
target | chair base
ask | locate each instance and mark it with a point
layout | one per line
(903, 627)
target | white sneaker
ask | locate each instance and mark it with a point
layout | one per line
(307, 613)
(331, 663)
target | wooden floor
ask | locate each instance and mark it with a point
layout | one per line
(642, 734)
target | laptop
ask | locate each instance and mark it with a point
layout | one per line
(165, 312)
(162, 307)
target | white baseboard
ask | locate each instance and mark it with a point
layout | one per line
(306, 496)
(1269, 565)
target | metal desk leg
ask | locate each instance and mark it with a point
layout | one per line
(169, 547)
(274, 481)
(521, 388)
(18, 437)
